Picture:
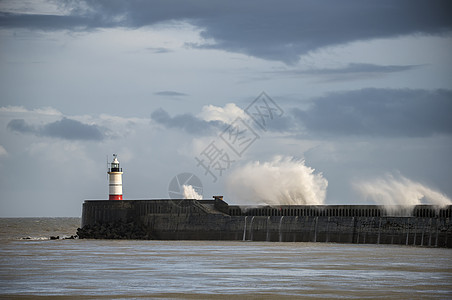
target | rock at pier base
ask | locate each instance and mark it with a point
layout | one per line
(114, 231)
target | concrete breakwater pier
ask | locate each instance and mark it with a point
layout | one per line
(189, 219)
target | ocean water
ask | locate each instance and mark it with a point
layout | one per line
(118, 269)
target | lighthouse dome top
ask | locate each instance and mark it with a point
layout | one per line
(115, 164)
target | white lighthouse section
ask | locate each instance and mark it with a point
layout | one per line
(115, 182)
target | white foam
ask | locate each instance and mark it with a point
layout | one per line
(281, 181)
(190, 193)
(391, 190)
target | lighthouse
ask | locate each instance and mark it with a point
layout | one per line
(115, 182)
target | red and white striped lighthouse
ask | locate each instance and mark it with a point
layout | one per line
(115, 182)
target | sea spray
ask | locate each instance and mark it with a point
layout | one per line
(281, 181)
(190, 193)
(400, 193)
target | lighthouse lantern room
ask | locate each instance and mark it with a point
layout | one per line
(115, 182)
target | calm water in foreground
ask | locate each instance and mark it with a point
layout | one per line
(209, 269)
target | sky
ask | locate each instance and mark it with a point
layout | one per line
(297, 102)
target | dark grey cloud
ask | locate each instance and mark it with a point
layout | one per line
(21, 126)
(72, 130)
(158, 50)
(361, 68)
(357, 69)
(275, 30)
(186, 122)
(352, 71)
(169, 93)
(379, 112)
(65, 129)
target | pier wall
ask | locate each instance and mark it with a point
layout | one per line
(187, 219)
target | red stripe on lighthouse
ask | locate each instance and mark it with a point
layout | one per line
(115, 197)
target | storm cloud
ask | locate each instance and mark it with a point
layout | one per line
(272, 30)
(380, 112)
(65, 129)
(186, 122)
